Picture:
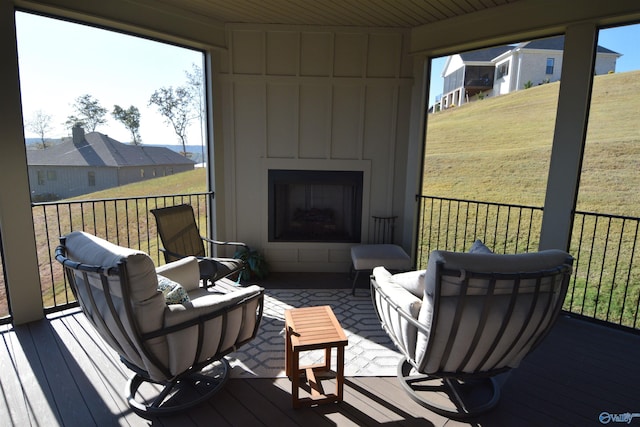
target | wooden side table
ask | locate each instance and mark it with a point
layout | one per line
(313, 328)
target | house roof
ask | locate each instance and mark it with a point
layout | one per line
(547, 43)
(99, 150)
(485, 55)
(554, 43)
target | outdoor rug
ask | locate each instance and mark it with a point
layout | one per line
(370, 352)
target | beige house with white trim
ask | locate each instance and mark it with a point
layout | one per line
(500, 70)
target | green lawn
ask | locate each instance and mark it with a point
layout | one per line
(498, 149)
(194, 181)
(134, 227)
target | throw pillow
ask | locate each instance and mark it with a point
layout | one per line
(479, 248)
(173, 292)
(413, 281)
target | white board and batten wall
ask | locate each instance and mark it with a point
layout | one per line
(318, 99)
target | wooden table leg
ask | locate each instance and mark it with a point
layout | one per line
(318, 329)
(340, 373)
(287, 351)
(327, 359)
(295, 379)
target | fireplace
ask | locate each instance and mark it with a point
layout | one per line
(315, 206)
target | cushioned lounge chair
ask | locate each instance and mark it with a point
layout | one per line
(180, 237)
(165, 327)
(467, 318)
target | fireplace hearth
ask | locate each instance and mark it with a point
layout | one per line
(315, 206)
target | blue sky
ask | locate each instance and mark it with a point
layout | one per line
(60, 61)
(619, 39)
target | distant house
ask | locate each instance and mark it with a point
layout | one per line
(93, 161)
(503, 69)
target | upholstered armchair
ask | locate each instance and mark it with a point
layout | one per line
(467, 318)
(165, 327)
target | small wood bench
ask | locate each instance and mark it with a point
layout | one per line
(313, 328)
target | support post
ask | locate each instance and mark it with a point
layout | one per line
(569, 136)
(16, 219)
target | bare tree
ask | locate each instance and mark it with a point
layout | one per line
(176, 107)
(89, 113)
(130, 118)
(40, 123)
(195, 83)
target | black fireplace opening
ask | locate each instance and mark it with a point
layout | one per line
(315, 206)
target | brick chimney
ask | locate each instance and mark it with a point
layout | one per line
(78, 134)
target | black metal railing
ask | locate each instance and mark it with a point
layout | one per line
(123, 221)
(605, 285)
(454, 224)
(606, 280)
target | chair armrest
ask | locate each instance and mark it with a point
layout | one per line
(399, 299)
(203, 308)
(167, 254)
(398, 311)
(218, 242)
(185, 271)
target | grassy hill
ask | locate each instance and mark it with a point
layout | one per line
(194, 181)
(134, 226)
(498, 149)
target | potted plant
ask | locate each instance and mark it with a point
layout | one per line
(256, 263)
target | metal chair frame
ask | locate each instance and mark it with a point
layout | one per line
(165, 402)
(185, 243)
(458, 384)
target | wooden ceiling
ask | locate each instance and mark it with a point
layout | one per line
(360, 13)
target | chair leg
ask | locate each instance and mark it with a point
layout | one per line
(180, 394)
(468, 398)
(353, 285)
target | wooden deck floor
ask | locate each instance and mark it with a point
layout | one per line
(57, 372)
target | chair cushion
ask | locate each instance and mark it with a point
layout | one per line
(466, 325)
(173, 292)
(221, 335)
(392, 257)
(96, 251)
(479, 247)
(413, 281)
(217, 268)
(489, 263)
(184, 271)
(405, 333)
